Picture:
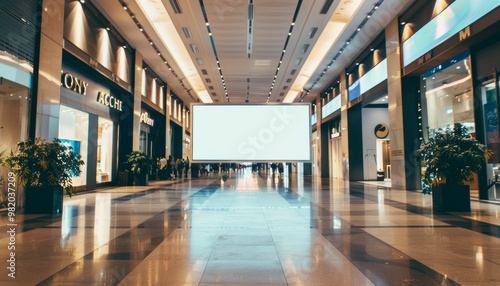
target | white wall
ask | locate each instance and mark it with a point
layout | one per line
(372, 117)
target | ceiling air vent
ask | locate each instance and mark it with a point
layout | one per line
(187, 32)
(204, 71)
(214, 94)
(305, 48)
(199, 61)
(282, 94)
(250, 29)
(208, 80)
(278, 100)
(293, 71)
(194, 48)
(288, 80)
(298, 61)
(326, 6)
(285, 87)
(211, 87)
(312, 32)
(176, 7)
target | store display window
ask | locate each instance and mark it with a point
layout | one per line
(447, 97)
(104, 150)
(73, 132)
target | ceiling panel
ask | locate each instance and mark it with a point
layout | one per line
(228, 22)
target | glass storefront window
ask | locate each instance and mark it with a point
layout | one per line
(14, 114)
(491, 131)
(447, 97)
(73, 131)
(104, 150)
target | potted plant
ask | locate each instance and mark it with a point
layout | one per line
(140, 165)
(45, 170)
(450, 159)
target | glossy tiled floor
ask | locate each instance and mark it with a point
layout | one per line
(254, 229)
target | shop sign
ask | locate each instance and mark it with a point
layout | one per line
(73, 83)
(109, 100)
(381, 131)
(146, 119)
(425, 58)
(464, 34)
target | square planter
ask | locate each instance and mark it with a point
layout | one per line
(451, 198)
(141, 180)
(43, 200)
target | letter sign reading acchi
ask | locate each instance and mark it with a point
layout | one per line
(109, 100)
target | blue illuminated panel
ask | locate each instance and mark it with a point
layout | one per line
(450, 21)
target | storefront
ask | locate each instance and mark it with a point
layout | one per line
(451, 61)
(177, 113)
(96, 108)
(368, 116)
(487, 82)
(152, 116)
(18, 43)
(15, 105)
(92, 121)
(331, 131)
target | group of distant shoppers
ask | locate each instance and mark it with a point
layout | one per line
(173, 168)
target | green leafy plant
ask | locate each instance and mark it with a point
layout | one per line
(3, 190)
(39, 163)
(451, 157)
(139, 163)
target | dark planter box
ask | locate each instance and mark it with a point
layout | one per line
(451, 198)
(195, 171)
(162, 173)
(141, 180)
(43, 200)
(123, 179)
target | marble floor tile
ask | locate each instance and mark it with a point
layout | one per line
(255, 230)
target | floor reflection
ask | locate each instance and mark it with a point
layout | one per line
(257, 228)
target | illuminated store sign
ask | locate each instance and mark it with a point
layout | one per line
(146, 119)
(109, 100)
(372, 78)
(71, 82)
(330, 107)
(75, 84)
(452, 21)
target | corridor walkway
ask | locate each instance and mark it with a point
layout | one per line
(254, 229)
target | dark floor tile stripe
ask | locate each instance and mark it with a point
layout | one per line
(357, 190)
(126, 251)
(377, 260)
(45, 220)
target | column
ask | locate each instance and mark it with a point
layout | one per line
(48, 75)
(136, 122)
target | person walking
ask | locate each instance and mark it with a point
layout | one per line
(178, 171)
(186, 166)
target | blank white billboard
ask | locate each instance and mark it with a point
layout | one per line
(251, 132)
